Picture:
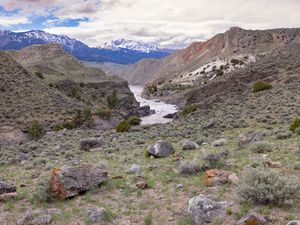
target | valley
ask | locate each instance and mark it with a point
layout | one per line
(209, 134)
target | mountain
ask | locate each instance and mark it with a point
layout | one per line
(225, 52)
(14, 41)
(130, 44)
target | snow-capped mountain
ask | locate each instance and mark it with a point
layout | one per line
(130, 44)
(128, 51)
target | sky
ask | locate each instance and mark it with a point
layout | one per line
(166, 23)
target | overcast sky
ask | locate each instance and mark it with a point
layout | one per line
(167, 23)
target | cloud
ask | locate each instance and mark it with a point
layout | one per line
(6, 21)
(168, 23)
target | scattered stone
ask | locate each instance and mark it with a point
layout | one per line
(220, 142)
(204, 210)
(38, 217)
(179, 186)
(145, 111)
(189, 145)
(6, 188)
(87, 144)
(134, 169)
(271, 164)
(141, 185)
(70, 181)
(95, 215)
(209, 124)
(170, 116)
(161, 149)
(215, 177)
(252, 218)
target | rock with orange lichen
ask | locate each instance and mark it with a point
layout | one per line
(70, 181)
(216, 177)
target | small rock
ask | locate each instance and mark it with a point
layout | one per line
(217, 177)
(189, 145)
(38, 217)
(294, 222)
(70, 181)
(87, 144)
(271, 164)
(6, 188)
(95, 215)
(252, 218)
(161, 149)
(141, 185)
(209, 124)
(179, 186)
(204, 210)
(219, 142)
(134, 169)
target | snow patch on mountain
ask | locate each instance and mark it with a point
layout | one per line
(130, 44)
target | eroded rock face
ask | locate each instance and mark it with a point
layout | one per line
(161, 149)
(204, 210)
(70, 181)
(216, 177)
(6, 188)
(252, 218)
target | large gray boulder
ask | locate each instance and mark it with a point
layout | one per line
(70, 181)
(6, 188)
(204, 210)
(161, 149)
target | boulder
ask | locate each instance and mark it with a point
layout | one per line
(161, 149)
(70, 181)
(6, 188)
(204, 210)
(215, 177)
(170, 116)
(134, 169)
(252, 218)
(294, 222)
(95, 215)
(189, 145)
(87, 144)
(145, 111)
(10, 135)
(219, 142)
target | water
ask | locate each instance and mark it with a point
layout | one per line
(161, 108)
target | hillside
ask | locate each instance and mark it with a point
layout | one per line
(231, 50)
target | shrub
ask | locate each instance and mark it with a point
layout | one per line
(295, 125)
(113, 100)
(213, 160)
(261, 147)
(186, 220)
(104, 113)
(219, 72)
(237, 62)
(87, 115)
(189, 109)
(42, 193)
(39, 75)
(190, 167)
(36, 130)
(261, 86)
(259, 185)
(134, 120)
(123, 127)
(148, 219)
(57, 127)
(152, 89)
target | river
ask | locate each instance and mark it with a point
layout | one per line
(161, 108)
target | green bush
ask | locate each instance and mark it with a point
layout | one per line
(188, 109)
(259, 185)
(39, 75)
(57, 127)
(134, 120)
(113, 100)
(36, 130)
(123, 127)
(295, 125)
(261, 86)
(42, 193)
(104, 113)
(87, 116)
(261, 147)
(152, 89)
(219, 72)
(148, 219)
